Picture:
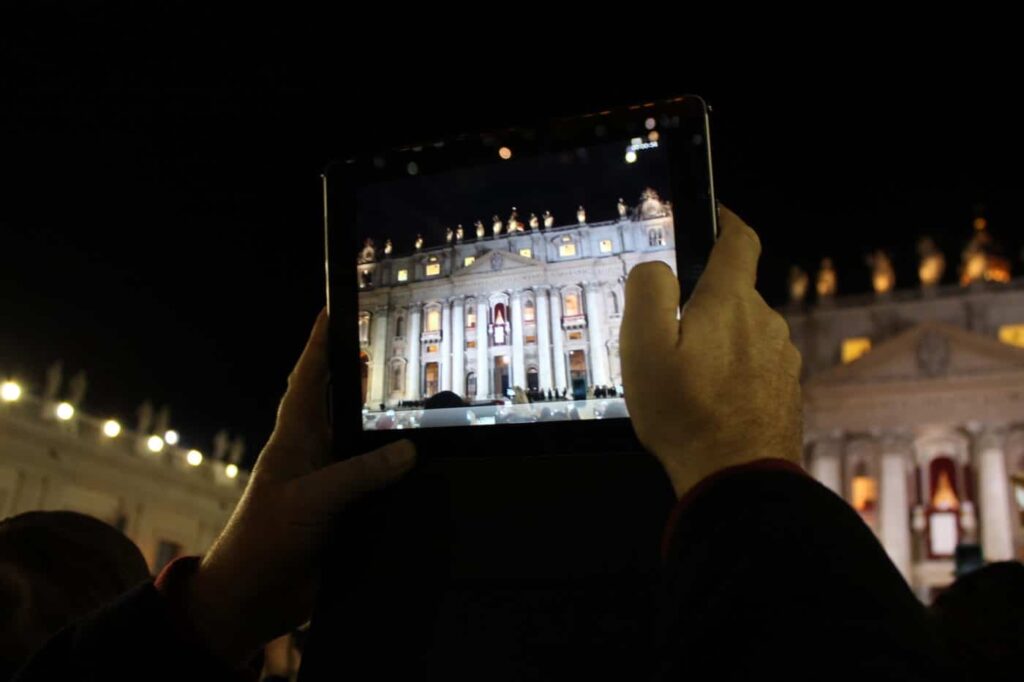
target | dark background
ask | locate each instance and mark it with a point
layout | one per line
(160, 212)
(593, 176)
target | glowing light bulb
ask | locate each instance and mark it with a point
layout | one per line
(231, 470)
(155, 443)
(194, 457)
(631, 156)
(65, 411)
(10, 391)
(111, 429)
(171, 437)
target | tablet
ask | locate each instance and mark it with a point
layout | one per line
(476, 281)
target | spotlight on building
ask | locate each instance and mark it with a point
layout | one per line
(194, 457)
(155, 443)
(171, 437)
(10, 391)
(231, 470)
(65, 411)
(111, 429)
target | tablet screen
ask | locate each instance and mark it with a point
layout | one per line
(494, 293)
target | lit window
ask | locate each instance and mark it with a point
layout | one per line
(529, 312)
(433, 269)
(606, 246)
(432, 348)
(526, 253)
(470, 317)
(499, 324)
(854, 348)
(470, 344)
(468, 260)
(567, 248)
(364, 327)
(656, 237)
(433, 320)
(531, 339)
(865, 493)
(1012, 334)
(403, 275)
(572, 304)
(575, 336)
(945, 497)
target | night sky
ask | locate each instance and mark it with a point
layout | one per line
(160, 214)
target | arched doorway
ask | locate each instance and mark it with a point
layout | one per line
(364, 374)
(532, 379)
(578, 374)
(430, 379)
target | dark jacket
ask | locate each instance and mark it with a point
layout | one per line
(768, 575)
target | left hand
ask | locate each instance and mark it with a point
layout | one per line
(259, 579)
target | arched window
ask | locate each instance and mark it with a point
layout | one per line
(571, 304)
(470, 384)
(433, 319)
(399, 327)
(943, 507)
(396, 377)
(864, 492)
(656, 237)
(500, 322)
(470, 313)
(613, 302)
(364, 327)
(529, 311)
(566, 247)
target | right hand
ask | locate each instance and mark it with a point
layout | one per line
(721, 386)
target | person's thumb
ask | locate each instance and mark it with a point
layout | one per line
(329, 490)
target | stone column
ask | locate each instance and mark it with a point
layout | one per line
(412, 353)
(895, 503)
(826, 463)
(378, 363)
(483, 365)
(518, 360)
(595, 325)
(994, 496)
(543, 338)
(557, 340)
(459, 348)
(446, 346)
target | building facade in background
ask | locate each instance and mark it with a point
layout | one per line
(167, 499)
(914, 406)
(529, 306)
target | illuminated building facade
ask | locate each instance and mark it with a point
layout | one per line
(914, 409)
(170, 500)
(529, 306)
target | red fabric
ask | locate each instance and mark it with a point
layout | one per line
(766, 464)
